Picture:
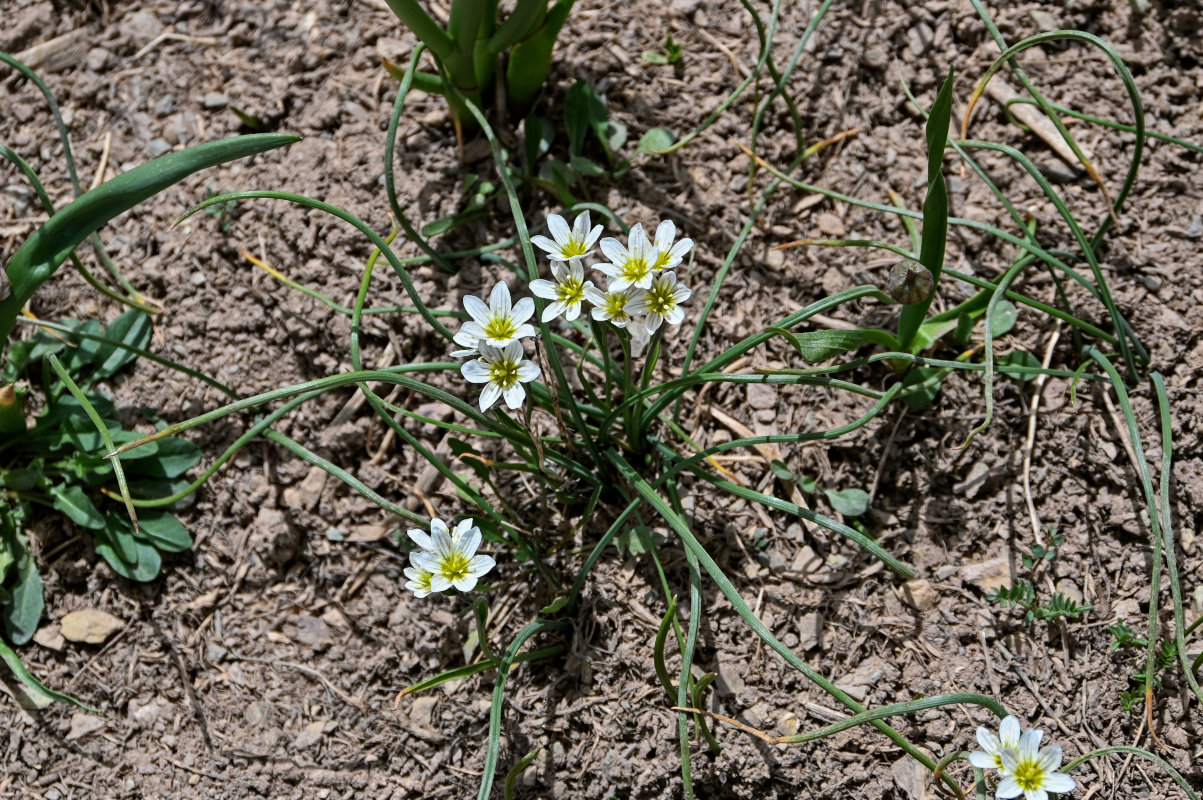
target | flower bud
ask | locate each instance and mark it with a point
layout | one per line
(910, 282)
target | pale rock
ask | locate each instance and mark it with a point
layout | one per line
(912, 778)
(144, 713)
(1070, 589)
(978, 472)
(421, 711)
(89, 626)
(84, 724)
(310, 735)
(987, 575)
(761, 395)
(729, 681)
(50, 636)
(920, 594)
(810, 631)
(806, 561)
(257, 713)
(830, 225)
(311, 630)
(860, 681)
(788, 725)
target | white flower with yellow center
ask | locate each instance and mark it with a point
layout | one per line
(566, 293)
(633, 265)
(419, 580)
(990, 756)
(499, 323)
(669, 255)
(1031, 770)
(453, 562)
(423, 539)
(613, 305)
(502, 371)
(661, 302)
(567, 243)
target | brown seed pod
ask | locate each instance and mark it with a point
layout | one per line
(910, 282)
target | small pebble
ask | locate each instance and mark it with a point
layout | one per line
(97, 59)
(165, 105)
(158, 147)
(215, 100)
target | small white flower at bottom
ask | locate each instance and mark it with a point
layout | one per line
(576, 242)
(1031, 770)
(990, 756)
(502, 372)
(454, 562)
(419, 581)
(566, 293)
(639, 336)
(613, 305)
(662, 301)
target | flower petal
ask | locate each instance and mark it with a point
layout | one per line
(559, 229)
(665, 232)
(477, 309)
(528, 371)
(982, 760)
(543, 288)
(1009, 732)
(489, 396)
(514, 396)
(499, 299)
(1008, 787)
(438, 583)
(580, 226)
(613, 250)
(543, 243)
(1059, 782)
(479, 565)
(523, 310)
(465, 525)
(475, 371)
(421, 538)
(465, 584)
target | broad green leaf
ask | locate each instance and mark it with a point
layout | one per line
(931, 332)
(586, 167)
(1003, 319)
(817, 346)
(780, 470)
(164, 531)
(538, 133)
(935, 210)
(129, 558)
(614, 134)
(171, 459)
(473, 461)
(24, 611)
(807, 484)
(554, 606)
(50, 245)
(849, 502)
(72, 501)
(133, 328)
(655, 139)
(1018, 358)
(583, 110)
(926, 396)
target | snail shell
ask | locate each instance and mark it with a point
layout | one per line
(910, 282)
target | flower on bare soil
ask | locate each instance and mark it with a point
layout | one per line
(1031, 770)
(990, 756)
(613, 305)
(424, 540)
(419, 580)
(567, 243)
(566, 293)
(502, 371)
(661, 302)
(453, 562)
(669, 255)
(499, 323)
(633, 265)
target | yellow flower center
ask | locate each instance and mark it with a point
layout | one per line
(616, 306)
(503, 373)
(660, 299)
(998, 761)
(575, 247)
(1029, 775)
(454, 566)
(634, 269)
(570, 292)
(661, 260)
(423, 580)
(501, 328)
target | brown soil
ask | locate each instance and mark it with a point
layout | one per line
(264, 663)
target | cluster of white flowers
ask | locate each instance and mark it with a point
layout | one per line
(1024, 767)
(641, 291)
(446, 559)
(641, 294)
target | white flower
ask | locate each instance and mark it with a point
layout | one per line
(661, 302)
(499, 323)
(669, 255)
(990, 756)
(422, 539)
(568, 244)
(566, 293)
(453, 562)
(503, 372)
(419, 580)
(613, 305)
(633, 265)
(1031, 770)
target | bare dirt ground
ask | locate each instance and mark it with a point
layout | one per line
(264, 662)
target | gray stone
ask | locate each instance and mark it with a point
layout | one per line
(810, 631)
(761, 396)
(987, 575)
(165, 105)
(214, 100)
(310, 735)
(97, 59)
(730, 681)
(920, 594)
(158, 147)
(860, 681)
